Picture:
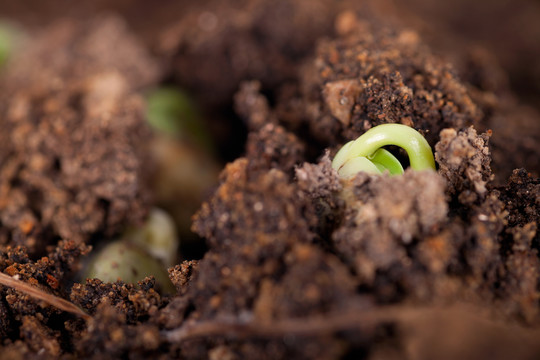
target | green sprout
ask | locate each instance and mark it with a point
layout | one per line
(366, 153)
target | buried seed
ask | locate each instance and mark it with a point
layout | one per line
(140, 252)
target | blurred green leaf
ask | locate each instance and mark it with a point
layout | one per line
(6, 42)
(172, 111)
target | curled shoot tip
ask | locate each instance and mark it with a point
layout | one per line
(366, 153)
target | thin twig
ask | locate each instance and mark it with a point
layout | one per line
(36, 293)
(320, 325)
(410, 317)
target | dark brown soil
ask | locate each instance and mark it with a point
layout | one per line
(71, 161)
(299, 263)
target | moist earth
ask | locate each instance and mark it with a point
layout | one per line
(299, 263)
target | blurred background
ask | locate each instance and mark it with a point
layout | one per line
(508, 29)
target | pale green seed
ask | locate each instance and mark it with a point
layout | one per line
(121, 260)
(157, 236)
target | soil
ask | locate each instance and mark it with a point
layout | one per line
(294, 262)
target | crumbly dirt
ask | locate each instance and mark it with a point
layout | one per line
(464, 162)
(31, 321)
(70, 157)
(300, 263)
(370, 76)
(249, 39)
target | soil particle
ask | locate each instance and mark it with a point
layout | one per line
(238, 213)
(108, 336)
(516, 135)
(514, 127)
(262, 264)
(269, 145)
(321, 183)
(181, 275)
(522, 279)
(50, 274)
(314, 282)
(386, 221)
(173, 314)
(252, 106)
(70, 150)
(520, 243)
(271, 270)
(73, 50)
(39, 337)
(521, 197)
(216, 45)
(464, 162)
(135, 302)
(249, 224)
(273, 147)
(432, 334)
(36, 322)
(6, 326)
(21, 351)
(374, 75)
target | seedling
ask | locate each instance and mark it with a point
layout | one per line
(367, 154)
